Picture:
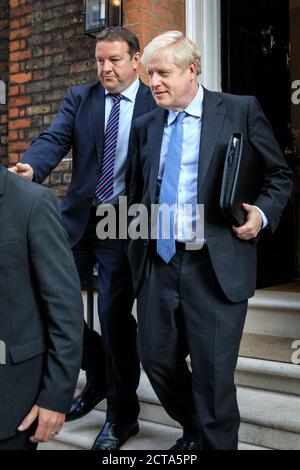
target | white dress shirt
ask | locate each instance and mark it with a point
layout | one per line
(188, 178)
(126, 112)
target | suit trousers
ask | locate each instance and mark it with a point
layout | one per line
(118, 326)
(20, 441)
(182, 310)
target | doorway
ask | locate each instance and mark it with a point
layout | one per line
(260, 50)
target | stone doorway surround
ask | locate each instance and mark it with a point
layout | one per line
(203, 26)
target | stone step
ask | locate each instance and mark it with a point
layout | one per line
(253, 373)
(274, 312)
(268, 375)
(55, 444)
(80, 435)
(244, 446)
(268, 419)
(270, 348)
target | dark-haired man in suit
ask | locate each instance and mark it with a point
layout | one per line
(41, 315)
(95, 120)
(195, 302)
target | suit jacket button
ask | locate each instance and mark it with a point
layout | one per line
(97, 171)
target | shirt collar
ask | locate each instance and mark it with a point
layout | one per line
(194, 109)
(130, 92)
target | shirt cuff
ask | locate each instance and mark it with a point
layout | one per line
(264, 218)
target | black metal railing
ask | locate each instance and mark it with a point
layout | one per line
(89, 284)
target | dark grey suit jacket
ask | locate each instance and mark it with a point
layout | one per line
(234, 260)
(41, 311)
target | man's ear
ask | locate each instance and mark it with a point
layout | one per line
(136, 58)
(193, 71)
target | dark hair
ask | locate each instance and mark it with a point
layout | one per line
(118, 33)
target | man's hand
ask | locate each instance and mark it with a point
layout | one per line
(22, 169)
(252, 227)
(49, 423)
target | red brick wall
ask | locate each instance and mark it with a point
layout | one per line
(48, 52)
(148, 18)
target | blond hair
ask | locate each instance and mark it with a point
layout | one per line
(182, 51)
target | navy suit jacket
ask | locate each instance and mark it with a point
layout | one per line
(79, 125)
(234, 260)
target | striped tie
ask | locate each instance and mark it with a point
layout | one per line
(105, 183)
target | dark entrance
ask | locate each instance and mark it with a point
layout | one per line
(256, 60)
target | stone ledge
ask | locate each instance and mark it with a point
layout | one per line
(268, 375)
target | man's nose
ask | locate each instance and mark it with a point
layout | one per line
(107, 65)
(155, 80)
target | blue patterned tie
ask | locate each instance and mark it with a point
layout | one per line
(166, 247)
(105, 183)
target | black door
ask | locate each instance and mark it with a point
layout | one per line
(255, 61)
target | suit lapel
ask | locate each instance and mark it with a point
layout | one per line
(142, 101)
(98, 118)
(142, 106)
(212, 122)
(155, 136)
